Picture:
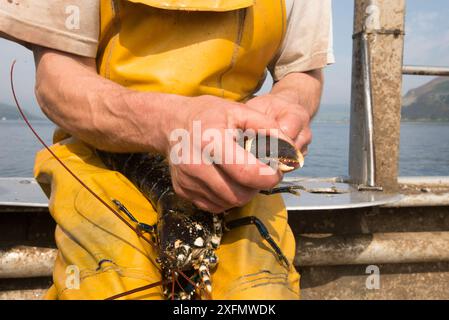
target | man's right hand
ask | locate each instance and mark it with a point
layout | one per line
(220, 186)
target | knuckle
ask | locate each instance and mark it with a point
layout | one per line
(180, 192)
(244, 199)
(230, 199)
(201, 205)
(232, 196)
(239, 201)
(310, 135)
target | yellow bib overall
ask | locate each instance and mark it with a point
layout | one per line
(185, 47)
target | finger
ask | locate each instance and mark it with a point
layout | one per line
(198, 200)
(248, 171)
(231, 191)
(247, 119)
(219, 186)
(209, 206)
(243, 167)
(291, 122)
(304, 138)
(191, 188)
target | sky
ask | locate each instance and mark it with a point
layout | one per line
(427, 43)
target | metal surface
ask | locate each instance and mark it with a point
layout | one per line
(435, 181)
(21, 192)
(24, 289)
(425, 71)
(428, 281)
(369, 122)
(373, 235)
(29, 294)
(421, 200)
(323, 195)
(372, 249)
(18, 194)
(26, 262)
(312, 250)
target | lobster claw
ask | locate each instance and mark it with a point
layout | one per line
(282, 154)
(289, 158)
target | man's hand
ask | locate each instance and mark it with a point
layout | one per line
(292, 118)
(293, 102)
(221, 186)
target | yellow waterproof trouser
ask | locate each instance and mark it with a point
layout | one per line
(110, 258)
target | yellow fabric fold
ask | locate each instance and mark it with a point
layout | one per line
(198, 5)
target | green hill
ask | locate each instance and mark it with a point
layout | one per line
(429, 102)
(8, 112)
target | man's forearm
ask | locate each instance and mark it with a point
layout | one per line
(304, 89)
(96, 110)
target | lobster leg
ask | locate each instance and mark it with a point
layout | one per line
(140, 289)
(142, 226)
(292, 189)
(252, 220)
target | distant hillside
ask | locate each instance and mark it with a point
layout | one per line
(428, 102)
(8, 112)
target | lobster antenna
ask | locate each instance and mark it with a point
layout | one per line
(140, 289)
(63, 164)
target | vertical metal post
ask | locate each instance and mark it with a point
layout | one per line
(376, 87)
(368, 109)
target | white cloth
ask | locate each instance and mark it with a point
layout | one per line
(308, 43)
(66, 25)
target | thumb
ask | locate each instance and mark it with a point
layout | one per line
(248, 119)
(290, 124)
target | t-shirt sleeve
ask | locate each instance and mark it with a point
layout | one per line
(308, 42)
(67, 25)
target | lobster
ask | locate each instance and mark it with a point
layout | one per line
(184, 236)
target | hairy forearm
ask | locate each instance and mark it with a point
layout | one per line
(96, 110)
(304, 89)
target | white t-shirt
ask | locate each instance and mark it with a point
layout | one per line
(55, 24)
(308, 43)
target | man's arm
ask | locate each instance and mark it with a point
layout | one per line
(302, 88)
(113, 118)
(293, 102)
(96, 110)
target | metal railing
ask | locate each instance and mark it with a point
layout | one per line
(425, 71)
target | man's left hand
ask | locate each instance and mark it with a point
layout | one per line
(293, 118)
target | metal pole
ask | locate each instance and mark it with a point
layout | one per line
(377, 248)
(26, 262)
(426, 71)
(377, 56)
(369, 122)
